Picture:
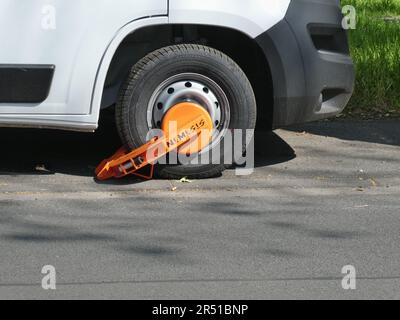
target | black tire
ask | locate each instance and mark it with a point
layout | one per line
(154, 69)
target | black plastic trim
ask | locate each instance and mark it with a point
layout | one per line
(302, 74)
(25, 83)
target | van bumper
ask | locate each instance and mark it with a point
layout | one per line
(311, 68)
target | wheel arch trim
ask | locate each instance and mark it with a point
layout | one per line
(98, 87)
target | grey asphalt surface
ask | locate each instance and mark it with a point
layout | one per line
(323, 196)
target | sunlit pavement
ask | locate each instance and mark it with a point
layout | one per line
(322, 196)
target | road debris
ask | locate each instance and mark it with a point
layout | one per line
(172, 187)
(362, 206)
(185, 180)
(41, 168)
(373, 182)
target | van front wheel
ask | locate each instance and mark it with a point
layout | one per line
(184, 73)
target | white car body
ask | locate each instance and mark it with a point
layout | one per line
(79, 38)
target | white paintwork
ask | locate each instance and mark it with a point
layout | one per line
(93, 93)
(252, 17)
(87, 35)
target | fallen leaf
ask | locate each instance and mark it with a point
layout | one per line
(373, 182)
(173, 188)
(185, 180)
(41, 168)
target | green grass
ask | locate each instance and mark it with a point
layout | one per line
(375, 47)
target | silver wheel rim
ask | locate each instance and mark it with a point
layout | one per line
(195, 88)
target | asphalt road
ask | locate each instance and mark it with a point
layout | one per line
(323, 196)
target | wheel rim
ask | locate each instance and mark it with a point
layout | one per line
(195, 88)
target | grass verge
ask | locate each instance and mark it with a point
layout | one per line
(375, 47)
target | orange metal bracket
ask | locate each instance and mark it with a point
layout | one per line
(182, 124)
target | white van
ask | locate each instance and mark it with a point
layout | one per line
(279, 62)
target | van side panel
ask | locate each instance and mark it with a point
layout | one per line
(72, 36)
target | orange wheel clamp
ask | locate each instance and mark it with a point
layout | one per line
(191, 129)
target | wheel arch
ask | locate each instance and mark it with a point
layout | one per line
(243, 49)
(109, 54)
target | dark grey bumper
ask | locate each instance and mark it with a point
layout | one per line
(308, 54)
